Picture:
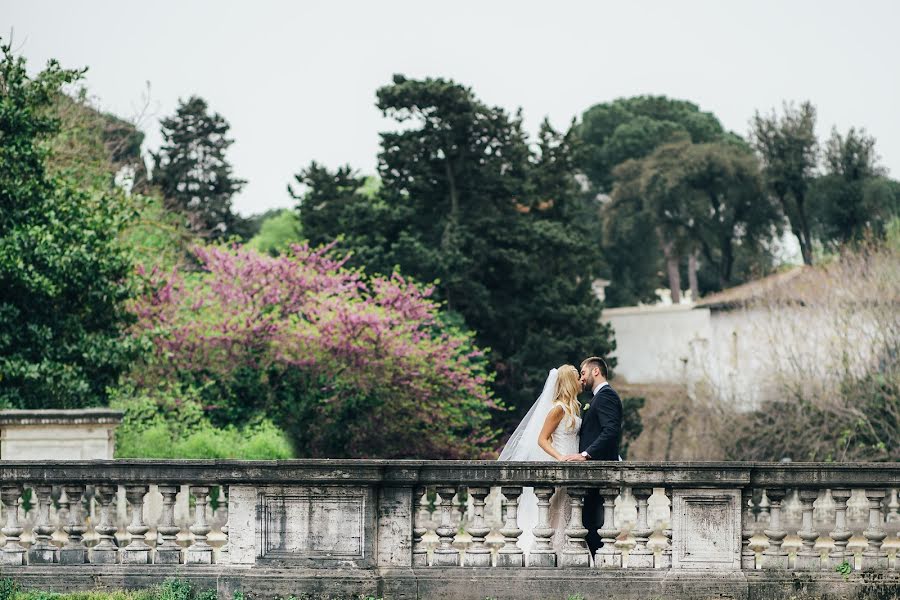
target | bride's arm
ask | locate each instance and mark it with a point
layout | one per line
(544, 437)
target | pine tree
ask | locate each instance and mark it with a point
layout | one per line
(192, 172)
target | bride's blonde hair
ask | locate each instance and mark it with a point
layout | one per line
(568, 384)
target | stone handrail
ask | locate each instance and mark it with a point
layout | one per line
(370, 515)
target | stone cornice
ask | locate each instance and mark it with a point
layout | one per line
(409, 472)
(82, 416)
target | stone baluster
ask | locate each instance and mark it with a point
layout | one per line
(199, 552)
(893, 507)
(478, 554)
(543, 554)
(43, 551)
(419, 552)
(137, 551)
(808, 558)
(445, 554)
(106, 551)
(775, 556)
(223, 502)
(168, 551)
(576, 552)
(641, 557)
(875, 557)
(74, 552)
(665, 556)
(841, 535)
(510, 554)
(608, 556)
(13, 553)
(748, 530)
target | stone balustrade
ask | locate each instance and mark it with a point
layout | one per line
(389, 525)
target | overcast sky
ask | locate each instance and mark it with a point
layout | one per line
(297, 80)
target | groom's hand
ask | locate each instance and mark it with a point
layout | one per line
(574, 458)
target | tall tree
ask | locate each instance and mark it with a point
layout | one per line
(854, 196)
(502, 228)
(63, 273)
(632, 128)
(789, 152)
(192, 171)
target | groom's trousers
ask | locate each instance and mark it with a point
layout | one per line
(592, 517)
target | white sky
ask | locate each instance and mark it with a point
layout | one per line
(297, 80)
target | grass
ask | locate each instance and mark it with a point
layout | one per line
(170, 589)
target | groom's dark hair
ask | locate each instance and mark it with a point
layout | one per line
(596, 361)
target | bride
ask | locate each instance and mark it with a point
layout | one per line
(548, 432)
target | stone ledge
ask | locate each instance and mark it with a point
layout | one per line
(431, 583)
(81, 416)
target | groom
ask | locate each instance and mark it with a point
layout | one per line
(601, 433)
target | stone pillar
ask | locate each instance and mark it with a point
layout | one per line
(775, 557)
(543, 554)
(106, 551)
(664, 561)
(478, 554)
(43, 552)
(893, 507)
(13, 553)
(841, 535)
(419, 553)
(510, 554)
(199, 552)
(168, 552)
(875, 557)
(748, 530)
(808, 558)
(576, 552)
(445, 555)
(223, 500)
(74, 552)
(641, 557)
(608, 556)
(137, 551)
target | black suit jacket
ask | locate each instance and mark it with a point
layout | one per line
(601, 425)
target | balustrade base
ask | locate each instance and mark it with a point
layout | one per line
(775, 561)
(542, 559)
(808, 562)
(198, 557)
(510, 560)
(264, 583)
(12, 557)
(478, 559)
(640, 560)
(874, 563)
(135, 557)
(105, 556)
(73, 556)
(43, 556)
(579, 560)
(608, 561)
(168, 556)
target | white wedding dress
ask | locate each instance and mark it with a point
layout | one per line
(523, 446)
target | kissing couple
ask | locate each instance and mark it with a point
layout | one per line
(557, 428)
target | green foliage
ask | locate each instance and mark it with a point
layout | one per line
(63, 272)
(789, 150)
(845, 569)
(853, 199)
(631, 129)
(170, 423)
(277, 233)
(192, 172)
(502, 229)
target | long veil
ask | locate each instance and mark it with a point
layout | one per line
(523, 445)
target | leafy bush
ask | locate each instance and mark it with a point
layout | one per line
(159, 426)
(348, 365)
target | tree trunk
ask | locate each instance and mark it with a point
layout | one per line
(668, 248)
(692, 276)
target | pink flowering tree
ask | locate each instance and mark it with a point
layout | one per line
(348, 365)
